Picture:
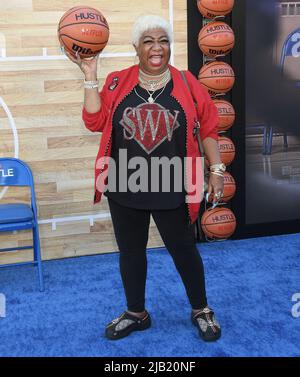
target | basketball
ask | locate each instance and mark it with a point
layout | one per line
(229, 189)
(226, 114)
(218, 223)
(227, 150)
(217, 77)
(214, 8)
(83, 30)
(216, 38)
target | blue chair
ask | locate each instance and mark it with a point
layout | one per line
(258, 128)
(14, 217)
(289, 49)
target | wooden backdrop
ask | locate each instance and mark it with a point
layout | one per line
(40, 118)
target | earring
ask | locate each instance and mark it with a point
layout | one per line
(136, 57)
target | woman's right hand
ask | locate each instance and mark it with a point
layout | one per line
(88, 66)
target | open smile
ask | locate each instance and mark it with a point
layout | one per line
(156, 60)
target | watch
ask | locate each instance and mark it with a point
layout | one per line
(215, 167)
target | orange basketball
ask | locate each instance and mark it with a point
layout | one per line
(229, 189)
(214, 8)
(227, 150)
(226, 114)
(218, 77)
(218, 223)
(83, 30)
(216, 38)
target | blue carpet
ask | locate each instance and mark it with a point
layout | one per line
(250, 284)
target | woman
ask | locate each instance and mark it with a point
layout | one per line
(148, 111)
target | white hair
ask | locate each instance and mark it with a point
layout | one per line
(150, 22)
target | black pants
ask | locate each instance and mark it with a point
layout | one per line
(131, 227)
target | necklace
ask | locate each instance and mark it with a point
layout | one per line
(152, 85)
(145, 76)
(150, 98)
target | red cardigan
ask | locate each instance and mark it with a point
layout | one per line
(117, 86)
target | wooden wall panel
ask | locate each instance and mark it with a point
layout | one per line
(43, 92)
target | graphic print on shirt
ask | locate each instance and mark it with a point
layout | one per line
(149, 125)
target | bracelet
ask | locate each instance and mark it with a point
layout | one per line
(91, 84)
(218, 167)
(218, 173)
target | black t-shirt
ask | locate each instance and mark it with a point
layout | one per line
(146, 133)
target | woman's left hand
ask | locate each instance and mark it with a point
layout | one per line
(215, 187)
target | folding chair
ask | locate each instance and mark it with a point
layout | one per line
(14, 217)
(257, 129)
(289, 49)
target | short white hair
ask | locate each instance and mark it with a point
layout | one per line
(150, 22)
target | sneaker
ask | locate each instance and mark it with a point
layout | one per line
(126, 324)
(209, 328)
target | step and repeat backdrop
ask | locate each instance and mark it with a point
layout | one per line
(41, 94)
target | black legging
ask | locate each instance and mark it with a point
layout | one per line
(131, 227)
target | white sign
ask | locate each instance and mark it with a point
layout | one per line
(6, 173)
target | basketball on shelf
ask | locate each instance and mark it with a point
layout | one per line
(218, 223)
(215, 8)
(226, 114)
(83, 30)
(229, 189)
(215, 39)
(227, 150)
(217, 77)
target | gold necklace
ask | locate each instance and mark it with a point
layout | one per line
(153, 85)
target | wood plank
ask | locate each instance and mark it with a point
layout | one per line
(123, 8)
(71, 141)
(44, 109)
(10, 87)
(77, 185)
(64, 209)
(63, 85)
(49, 98)
(16, 5)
